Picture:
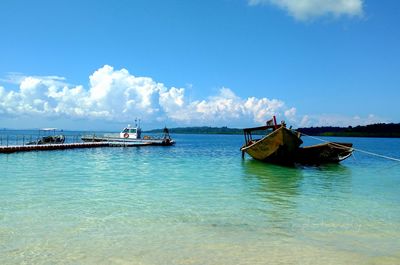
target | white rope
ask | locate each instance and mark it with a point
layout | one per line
(356, 149)
(378, 155)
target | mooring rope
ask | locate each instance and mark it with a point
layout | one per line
(355, 149)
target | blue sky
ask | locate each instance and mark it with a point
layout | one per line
(99, 64)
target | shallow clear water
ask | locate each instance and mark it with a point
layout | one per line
(198, 203)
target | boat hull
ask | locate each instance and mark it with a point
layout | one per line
(279, 146)
(128, 141)
(324, 153)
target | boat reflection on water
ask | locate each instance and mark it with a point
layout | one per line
(284, 180)
(329, 179)
(285, 194)
(274, 179)
(276, 189)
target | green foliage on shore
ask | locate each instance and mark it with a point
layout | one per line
(391, 130)
(201, 130)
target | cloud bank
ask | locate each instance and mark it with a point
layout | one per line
(338, 120)
(308, 9)
(117, 95)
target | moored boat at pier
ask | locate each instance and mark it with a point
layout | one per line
(132, 135)
(282, 146)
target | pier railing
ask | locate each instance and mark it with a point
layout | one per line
(31, 137)
(22, 138)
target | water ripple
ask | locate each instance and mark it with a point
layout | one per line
(197, 202)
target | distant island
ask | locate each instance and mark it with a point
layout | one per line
(388, 130)
(200, 130)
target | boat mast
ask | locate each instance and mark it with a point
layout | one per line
(275, 125)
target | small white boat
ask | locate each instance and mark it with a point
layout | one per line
(132, 135)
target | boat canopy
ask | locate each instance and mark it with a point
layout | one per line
(270, 125)
(248, 137)
(129, 130)
(261, 128)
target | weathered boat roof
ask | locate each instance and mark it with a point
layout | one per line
(260, 128)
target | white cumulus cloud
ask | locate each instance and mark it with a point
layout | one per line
(120, 96)
(307, 9)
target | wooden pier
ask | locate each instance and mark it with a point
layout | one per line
(47, 147)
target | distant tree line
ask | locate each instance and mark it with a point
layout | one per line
(201, 130)
(373, 130)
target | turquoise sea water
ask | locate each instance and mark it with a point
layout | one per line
(198, 203)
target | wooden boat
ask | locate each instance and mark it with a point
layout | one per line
(278, 146)
(282, 146)
(330, 152)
